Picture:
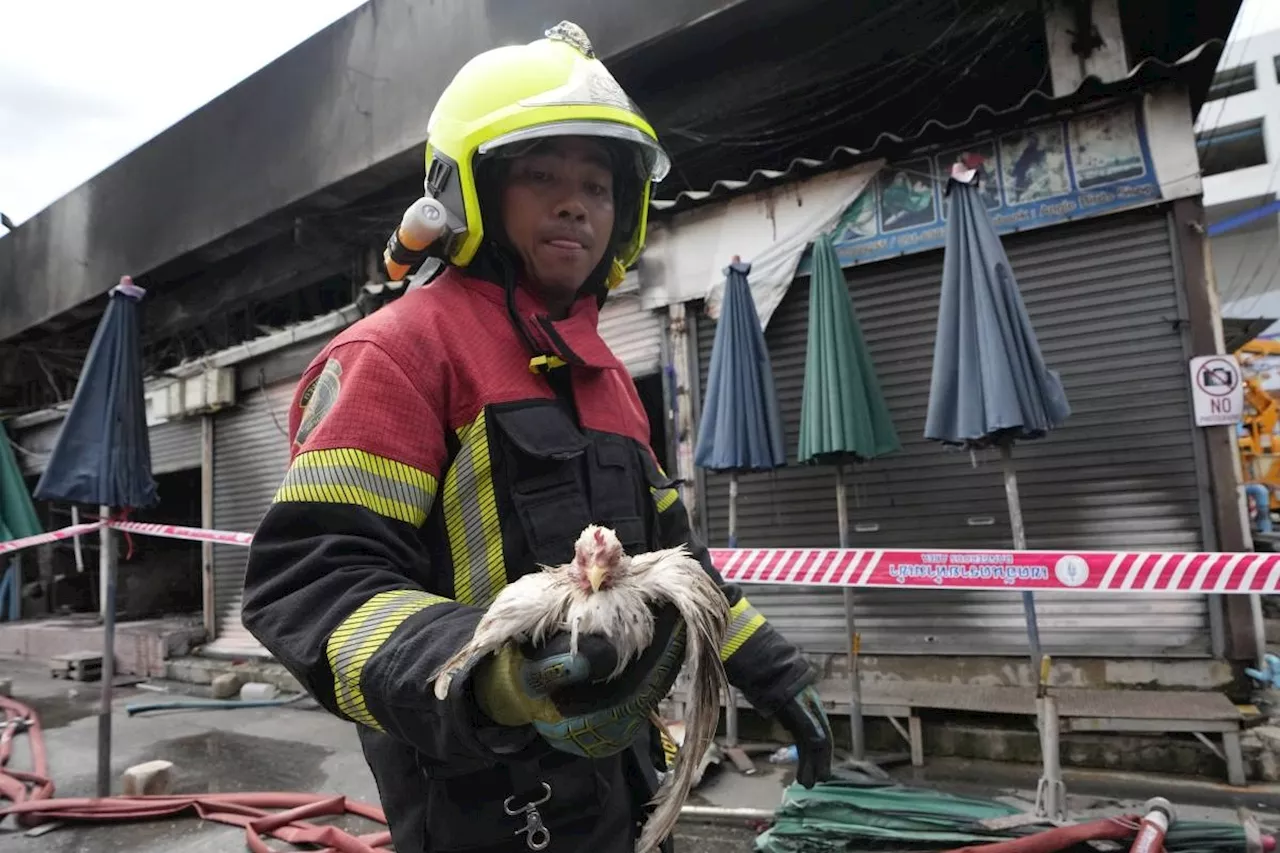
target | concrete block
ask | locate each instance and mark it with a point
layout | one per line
(226, 685)
(148, 779)
(257, 691)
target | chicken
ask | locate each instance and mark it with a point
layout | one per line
(606, 592)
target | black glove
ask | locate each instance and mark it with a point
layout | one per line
(566, 697)
(807, 722)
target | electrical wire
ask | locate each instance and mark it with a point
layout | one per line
(785, 135)
(816, 89)
(804, 123)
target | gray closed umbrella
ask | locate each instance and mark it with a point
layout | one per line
(990, 384)
(991, 387)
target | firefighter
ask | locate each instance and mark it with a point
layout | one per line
(464, 434)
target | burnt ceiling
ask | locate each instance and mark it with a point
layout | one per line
(754, 87)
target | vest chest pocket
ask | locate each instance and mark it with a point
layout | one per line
(540, 452)
(619, 491)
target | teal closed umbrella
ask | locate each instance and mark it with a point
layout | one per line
(843, 416)
(17, 520)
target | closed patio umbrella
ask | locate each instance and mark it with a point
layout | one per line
(103, 456)
(843, 416)
(17, 520)
(741, 428)
(990, 385)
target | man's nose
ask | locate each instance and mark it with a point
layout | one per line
(571, 206)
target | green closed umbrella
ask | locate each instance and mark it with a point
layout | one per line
(843, 416)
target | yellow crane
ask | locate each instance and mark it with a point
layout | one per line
(1259, 439)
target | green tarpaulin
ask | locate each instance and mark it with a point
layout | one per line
(852, 818)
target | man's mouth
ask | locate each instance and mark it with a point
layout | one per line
(566, 245)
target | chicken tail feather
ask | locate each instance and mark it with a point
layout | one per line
(702, 717)
(706, 619)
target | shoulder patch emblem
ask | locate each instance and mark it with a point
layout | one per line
(318, 399)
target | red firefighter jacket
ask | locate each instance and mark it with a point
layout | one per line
(430, 466)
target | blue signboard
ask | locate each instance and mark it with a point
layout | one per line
(1086, 165)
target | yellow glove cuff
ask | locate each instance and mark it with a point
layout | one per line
(501, 695)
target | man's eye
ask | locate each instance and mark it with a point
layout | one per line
(597, 190)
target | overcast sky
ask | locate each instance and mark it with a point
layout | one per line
(84, 82)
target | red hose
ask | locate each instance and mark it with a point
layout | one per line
(1062, 837)
(30, 797)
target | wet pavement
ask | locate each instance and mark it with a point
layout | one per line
(299, 748)
(294, 749)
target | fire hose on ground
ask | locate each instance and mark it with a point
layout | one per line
(916, 819)
(30, 795)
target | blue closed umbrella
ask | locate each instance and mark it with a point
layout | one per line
(741, 428)
(103, 456)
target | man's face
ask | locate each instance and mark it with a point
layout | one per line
(557, 208)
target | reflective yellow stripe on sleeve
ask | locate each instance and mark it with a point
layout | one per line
(349, 476)
(664, 498)
(744, 620)
(360, 635)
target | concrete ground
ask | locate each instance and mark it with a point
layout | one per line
(299, 748)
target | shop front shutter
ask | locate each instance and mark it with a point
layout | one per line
(250, 455)
(634, 334)
(175, 446)
(1121, 475)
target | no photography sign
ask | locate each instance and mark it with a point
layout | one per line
(1217, 390)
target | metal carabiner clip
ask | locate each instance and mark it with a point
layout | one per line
(537, 836)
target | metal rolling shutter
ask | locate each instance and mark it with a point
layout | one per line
(175, 446)
(1120, 475)
(250, 455)
(634, 334)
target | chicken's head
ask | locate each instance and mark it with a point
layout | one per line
(597, 559)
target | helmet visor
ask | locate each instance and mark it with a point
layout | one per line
(654, 159)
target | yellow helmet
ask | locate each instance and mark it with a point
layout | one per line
(551, 87)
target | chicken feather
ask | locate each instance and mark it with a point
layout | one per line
(608, 593)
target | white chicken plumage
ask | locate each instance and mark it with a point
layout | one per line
(606, 592)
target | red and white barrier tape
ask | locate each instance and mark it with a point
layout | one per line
(1047, 571)
(1080, 571)
(46, 538)
(191, 534)
(164, 531)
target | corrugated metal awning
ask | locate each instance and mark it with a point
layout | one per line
(1034, 104)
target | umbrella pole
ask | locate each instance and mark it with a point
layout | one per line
(1050, 794)
(733, 509)
(107, 566)
(1020, 544)
(731, 700)
(856, 733)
